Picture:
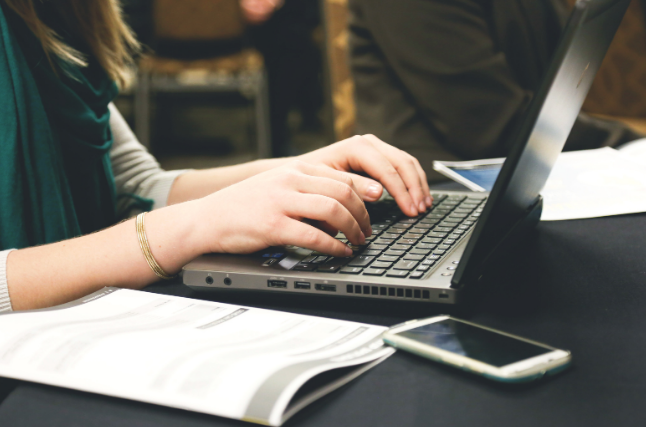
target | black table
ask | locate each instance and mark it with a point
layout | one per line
(579, 285)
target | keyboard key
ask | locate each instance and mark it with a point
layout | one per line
(416, 275)
(393, 230)
(361, 261)
(328, 268)
(421, 228)
(389, 236)
(402, 226)
(448, 224)
(374, 272)
(419, 251)
(403, 241)
(399, 247)
(376, 247)
(423, 267)
(351, 270)
(438, 252)
(443, 229)
(320, 259)
(382, 241)
(405, 265)
(393, 252)
(397, 273)
(424, 246)
(428, 221)
(436, 234)
(381, 264)
(413, 257)
(455, 236)
(458, 216)
(449, 241)
(387, 258)
(308, 259)
(415, 236)
(431, 240)
(435, 215)
(433, 257)
(428, 262)
(304, 267)
(408, 221)
(371, 253)
(444, 247)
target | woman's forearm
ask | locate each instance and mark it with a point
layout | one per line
(197, 184)
(56, 273)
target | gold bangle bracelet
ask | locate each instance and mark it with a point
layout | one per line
(145, 249)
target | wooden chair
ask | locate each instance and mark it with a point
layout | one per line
(339, 80)
(619, 90)
(201, 24)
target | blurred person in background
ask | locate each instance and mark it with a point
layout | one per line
(448, 80)
(71, 169)
(282, 30)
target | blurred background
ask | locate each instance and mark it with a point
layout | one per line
(228, 81)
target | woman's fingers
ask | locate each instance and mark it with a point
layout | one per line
(342, 193)
(328, 210)
(407, 167)
(428, 199)
(365, 157)
(298, 233)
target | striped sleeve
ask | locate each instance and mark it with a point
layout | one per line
(5, 299)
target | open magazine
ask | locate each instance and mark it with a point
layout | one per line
(238, 362)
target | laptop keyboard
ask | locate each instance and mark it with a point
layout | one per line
(401, 246)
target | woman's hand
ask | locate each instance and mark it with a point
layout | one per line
(397, 170)
(258, 11)
(277, 207)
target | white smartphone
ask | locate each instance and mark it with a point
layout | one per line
(484, 351)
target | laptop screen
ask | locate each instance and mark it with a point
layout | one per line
(544, 129)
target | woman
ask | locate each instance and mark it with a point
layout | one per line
(69, 166)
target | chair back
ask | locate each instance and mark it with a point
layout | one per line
(197, 20)
(619, 90)
(340, 83)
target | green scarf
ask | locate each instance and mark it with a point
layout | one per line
(56, 179)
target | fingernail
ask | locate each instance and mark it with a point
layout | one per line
(429, 201)
(362, 239)
(422, 207)
(373, 191)
(414, 209)
(348, 251)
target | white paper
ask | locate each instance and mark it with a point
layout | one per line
(594, 183)
(221, 359)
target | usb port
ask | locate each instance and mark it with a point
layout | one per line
(302, 285)
(276, 283)
(325, 288)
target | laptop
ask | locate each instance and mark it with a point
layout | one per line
(441, 255)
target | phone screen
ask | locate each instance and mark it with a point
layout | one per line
(474, 342)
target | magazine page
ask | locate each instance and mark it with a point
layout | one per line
(232, 361)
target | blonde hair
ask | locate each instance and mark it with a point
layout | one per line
(99, 22)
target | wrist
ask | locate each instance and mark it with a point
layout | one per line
(174, 236)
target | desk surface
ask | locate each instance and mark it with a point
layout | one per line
(579, 285)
